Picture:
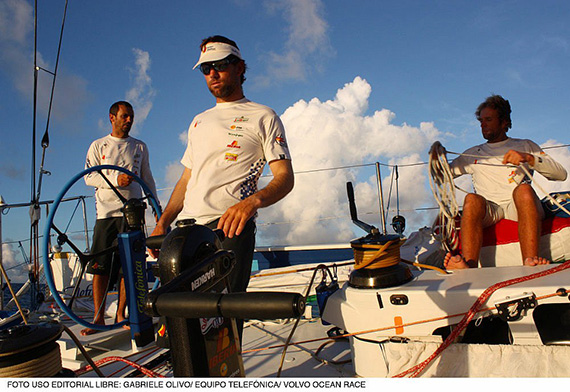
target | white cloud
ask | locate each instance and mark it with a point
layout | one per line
(339, 133)
(307, 39)
(15, 20)
(183, 137)
(141, 94)
(16, 272)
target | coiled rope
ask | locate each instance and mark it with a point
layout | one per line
(443, 189)
(47, 365)
(373, 256)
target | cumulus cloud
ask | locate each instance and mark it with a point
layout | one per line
(307, 33)
(338, 133)
(141, 94)
(16, 272)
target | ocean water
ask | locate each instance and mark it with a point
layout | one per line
(26, 300)
(280, 258)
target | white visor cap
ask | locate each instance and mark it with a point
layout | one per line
(214, 51)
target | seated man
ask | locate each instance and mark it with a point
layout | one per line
(502, 190)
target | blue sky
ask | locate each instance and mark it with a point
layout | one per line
(355, 82)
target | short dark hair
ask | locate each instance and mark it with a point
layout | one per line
(114, 109)
(225, 40)
(500, 104)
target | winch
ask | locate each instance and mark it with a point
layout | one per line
(31, 351)
(376, 256)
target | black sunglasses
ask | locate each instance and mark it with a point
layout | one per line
(220, 65)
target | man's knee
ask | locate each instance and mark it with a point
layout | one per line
(526, 201)
(474, 205)
(525, 197)
(524, 194)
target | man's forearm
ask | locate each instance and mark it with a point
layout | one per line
(281, 184)
(176, 202)
(276, 190)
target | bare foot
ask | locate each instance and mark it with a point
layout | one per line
(88, 331)
(532, 261)
(452, 262)
(119, 319)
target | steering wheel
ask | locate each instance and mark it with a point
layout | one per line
(85, 258)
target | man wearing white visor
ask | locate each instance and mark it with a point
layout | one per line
(228, 147)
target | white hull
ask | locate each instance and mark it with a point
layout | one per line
(432, 301)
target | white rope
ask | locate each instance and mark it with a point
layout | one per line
(443, 189)
(548, 196)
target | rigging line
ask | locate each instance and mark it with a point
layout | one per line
(45, 138)
(329, 169)
(16, 267)
(72, 215)
(354, 166)
(6, 207)
(389, 196)
(559, 146)
(261, 223)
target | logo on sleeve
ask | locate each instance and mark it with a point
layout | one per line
(231, 157)
(279, 139)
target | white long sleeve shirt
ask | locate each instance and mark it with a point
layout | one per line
(495, 181)
(129, 153)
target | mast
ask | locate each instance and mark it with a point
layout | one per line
(33, 226)
(35, 210)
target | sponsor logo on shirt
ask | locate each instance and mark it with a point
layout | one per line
(234, 144)
(512, 176)
(279, 139)
(231, 157)
(236, 127)
(235, 134)
(241, 119)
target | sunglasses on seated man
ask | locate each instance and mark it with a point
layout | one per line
(220, 65)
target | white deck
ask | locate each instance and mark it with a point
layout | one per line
(301, 357)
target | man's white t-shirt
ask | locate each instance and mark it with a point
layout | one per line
(228, 147)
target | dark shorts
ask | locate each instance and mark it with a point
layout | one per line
(104, 234)
(243, 247)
